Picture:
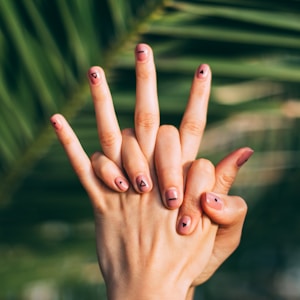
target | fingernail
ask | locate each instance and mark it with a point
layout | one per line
(184, 224)
(94, 76)
(214, 201)
(141, 52)
(56, 123)
(244, 157)
(142, 183)
(171, 196)
(122, 184)
(202, 71)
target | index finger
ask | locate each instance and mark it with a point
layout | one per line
(108, 128)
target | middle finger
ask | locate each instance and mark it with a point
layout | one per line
(146, 108)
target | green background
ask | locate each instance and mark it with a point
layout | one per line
(47, 247)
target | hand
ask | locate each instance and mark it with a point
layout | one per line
(111, 140)
(137, 243)
(169, 169)
(140, 253)
(228, 212)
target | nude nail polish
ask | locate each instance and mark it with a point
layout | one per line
(184, 224)
(121, 183)
(142, 183)
(56, 123)
(171, 196)
(244, 157)
(202, 71)
(141, 52)
(214, 201)
(94, 76)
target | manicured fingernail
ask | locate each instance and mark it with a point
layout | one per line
(141, 52)
(94, 76)
(244, 157)
(171, 196)
(202, 71)
(142, 183)
(214, 201)
(56, 123)
(122, 184)
(184, 224)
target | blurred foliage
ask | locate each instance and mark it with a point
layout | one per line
(252, 46)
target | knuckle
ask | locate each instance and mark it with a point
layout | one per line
(127, 132)
(191, 206)
(146, 120)
(226, 180)
(108, 139)
(101, 165)
(103, 168)
(205, 165)
(145, 72)
(94, 157)
(195, 127)
(167, 128)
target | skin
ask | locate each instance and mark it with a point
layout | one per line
(133, 254)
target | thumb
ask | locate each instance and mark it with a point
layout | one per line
(228, 167)
(227, 211)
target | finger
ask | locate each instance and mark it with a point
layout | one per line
(109, 172)
(107, 123)
(77, 156)
(227, 169)
(146, 116)
(168, 166)
(194, 119)
(200, 179)
(229, 212)
(135, 163)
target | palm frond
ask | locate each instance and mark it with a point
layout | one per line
(46, 48)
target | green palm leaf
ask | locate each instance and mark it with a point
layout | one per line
(46, 49)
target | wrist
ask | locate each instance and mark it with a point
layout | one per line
(144, 290)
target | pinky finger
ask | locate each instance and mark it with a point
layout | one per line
(111, 175)
(77, 156)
